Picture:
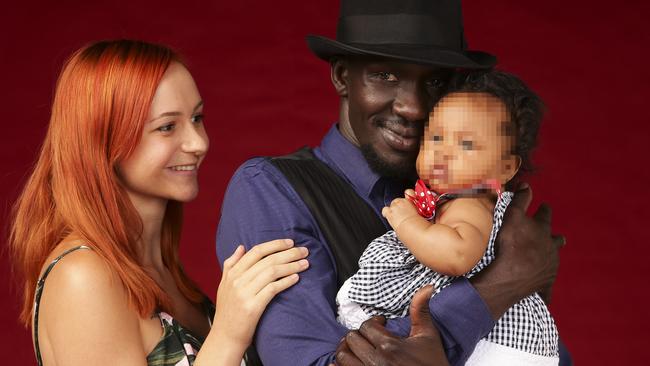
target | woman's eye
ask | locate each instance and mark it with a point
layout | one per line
(467, 145)
(436, 138)
(387, 76)
(198, 118)
(166, 128)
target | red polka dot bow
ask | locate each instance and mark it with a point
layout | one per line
(424, 200)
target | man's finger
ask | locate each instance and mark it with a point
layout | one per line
(546, 295)
(544, 214)
(559, 240)
(345, 356)
(523, 197)
(421, 323)
(360, 347)
(373, 330)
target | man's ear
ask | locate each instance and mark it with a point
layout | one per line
(510, 167)
(339, 75)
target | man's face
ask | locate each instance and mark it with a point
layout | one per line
(388, 104)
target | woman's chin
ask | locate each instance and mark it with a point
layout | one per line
(185, 197)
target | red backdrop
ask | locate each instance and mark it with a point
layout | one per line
(266, 94)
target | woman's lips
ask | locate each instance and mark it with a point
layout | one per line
(400, 142)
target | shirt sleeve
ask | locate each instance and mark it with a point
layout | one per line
(299, 326)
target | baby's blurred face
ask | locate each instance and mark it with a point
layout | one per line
(466, 143)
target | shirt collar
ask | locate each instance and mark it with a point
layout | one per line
(347, 159)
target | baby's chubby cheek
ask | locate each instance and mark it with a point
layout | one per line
(424, 165)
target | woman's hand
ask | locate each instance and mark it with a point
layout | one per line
(248, 283)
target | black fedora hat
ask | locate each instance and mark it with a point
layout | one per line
(420, 31)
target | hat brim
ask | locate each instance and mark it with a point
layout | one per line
(326, 48)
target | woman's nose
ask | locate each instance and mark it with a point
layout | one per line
(195, 140)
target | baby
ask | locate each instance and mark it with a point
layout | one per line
(477, 139)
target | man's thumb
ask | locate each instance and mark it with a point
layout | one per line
(419, 310)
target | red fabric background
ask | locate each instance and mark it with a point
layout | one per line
(266, 94)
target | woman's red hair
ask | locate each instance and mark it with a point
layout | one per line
(101, 103)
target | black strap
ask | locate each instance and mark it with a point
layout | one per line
(39, 293)
(347, 222)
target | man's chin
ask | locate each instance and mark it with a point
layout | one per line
(401, 169)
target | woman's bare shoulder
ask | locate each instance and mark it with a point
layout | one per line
(84, 306)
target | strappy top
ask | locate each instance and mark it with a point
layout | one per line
(177, 346)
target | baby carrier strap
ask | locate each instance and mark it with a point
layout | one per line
(347, 222)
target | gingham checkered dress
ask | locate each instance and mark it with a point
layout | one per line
(389, 275)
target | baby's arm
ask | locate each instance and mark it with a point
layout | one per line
(453, 245)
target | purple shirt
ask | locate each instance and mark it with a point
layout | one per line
(299, 326)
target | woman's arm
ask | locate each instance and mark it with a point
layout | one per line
(453, 245)
(248, 283)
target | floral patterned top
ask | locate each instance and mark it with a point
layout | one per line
(177, 346)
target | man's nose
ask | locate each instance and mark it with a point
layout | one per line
(411, 102)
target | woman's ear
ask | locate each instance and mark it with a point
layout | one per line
(509, 168)
(339, 75)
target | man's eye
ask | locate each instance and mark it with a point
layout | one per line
(198, 118)
(386, 76)
(467, 145)
(435, 83)
(437, 138)
(166, 128)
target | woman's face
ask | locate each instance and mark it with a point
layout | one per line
(165, 163)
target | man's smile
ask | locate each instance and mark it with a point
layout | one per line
(400, 137)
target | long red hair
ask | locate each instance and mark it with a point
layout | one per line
(101, 103)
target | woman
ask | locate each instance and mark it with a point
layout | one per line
(97, 226)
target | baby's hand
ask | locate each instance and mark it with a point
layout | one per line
(398, 211)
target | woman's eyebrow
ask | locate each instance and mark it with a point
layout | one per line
(175, 113)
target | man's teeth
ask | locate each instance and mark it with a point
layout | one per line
(184, 167)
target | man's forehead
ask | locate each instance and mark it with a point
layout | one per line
(395, 64)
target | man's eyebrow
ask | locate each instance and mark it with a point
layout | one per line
(175, 113)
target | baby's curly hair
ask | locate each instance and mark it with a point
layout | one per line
(525, 107)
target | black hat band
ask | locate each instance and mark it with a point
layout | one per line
(398, 29)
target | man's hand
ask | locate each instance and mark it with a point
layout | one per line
(372, 344)
(527, 256)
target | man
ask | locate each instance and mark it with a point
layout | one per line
(388, 65)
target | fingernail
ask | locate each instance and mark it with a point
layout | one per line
(303, 263)
(304, 250)
(289, 242)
